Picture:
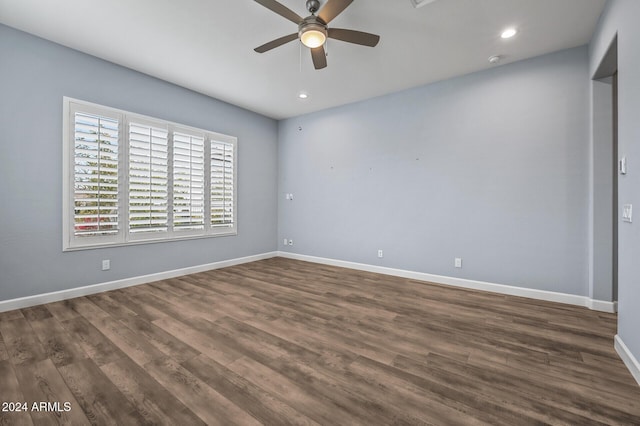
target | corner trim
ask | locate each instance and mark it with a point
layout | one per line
(627, 357)
(39, 299)
(570, 299)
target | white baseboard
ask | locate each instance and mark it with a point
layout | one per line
(25, 302)
(602, 306)
(550, 296)
(39, 299)
(629, 360)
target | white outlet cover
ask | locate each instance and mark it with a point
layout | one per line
(458, 262)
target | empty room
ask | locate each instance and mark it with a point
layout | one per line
(331, 212)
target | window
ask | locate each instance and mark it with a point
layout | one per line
(132, 179)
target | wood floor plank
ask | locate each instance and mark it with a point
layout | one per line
(495, 398)
(4, 354)
(58, 345)
(22, 344)
(41, 383)
(200, 341)
(143, 310)
(562, 396)
(430, 403)
(95, 344)
(258, 402)
(86, 308)
(11, 315)
(282, 341)
(156, 404)
(165, 342)
(10, 392)
(100, 399)
(175, 307)
(133, 345)
(36, 313)
(110, 306)
(212, 407)
(62, 310)
(315, 406)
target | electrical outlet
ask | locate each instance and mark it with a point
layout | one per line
(380, 254)
(290, 242)
(458, 262)
(285, 241)
(106, 265)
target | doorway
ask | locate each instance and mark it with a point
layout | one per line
(605, 171)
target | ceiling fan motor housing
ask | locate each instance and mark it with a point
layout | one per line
(312, 23)
(313, 6)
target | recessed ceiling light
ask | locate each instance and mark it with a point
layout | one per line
(303, 95)
(495, 59)
(508, 33)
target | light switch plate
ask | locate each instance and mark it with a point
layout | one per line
(623, 166)
(627, 213)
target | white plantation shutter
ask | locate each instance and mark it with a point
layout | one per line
(130, 179)
(148, 179)
(95, 175)
(188, 182)
(222, 184)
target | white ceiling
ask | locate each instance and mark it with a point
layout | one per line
(207, 45)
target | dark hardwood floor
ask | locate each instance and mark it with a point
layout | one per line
(287, 342)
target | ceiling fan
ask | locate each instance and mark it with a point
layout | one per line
(313, 30)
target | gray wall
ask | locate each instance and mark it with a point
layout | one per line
(34, 76)
(492, 167)
(621, 17)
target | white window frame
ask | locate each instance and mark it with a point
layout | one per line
(124, 237)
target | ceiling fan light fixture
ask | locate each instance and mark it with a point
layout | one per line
(313, 35)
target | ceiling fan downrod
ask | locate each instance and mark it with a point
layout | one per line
(313, 6)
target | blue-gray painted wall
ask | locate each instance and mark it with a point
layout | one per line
(491, 167)
(34, 76)
(621, 18)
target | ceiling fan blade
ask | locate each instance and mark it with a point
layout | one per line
(332, 9)
(276, 43)
(319, 57)
(281, 10)
(352, 36)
